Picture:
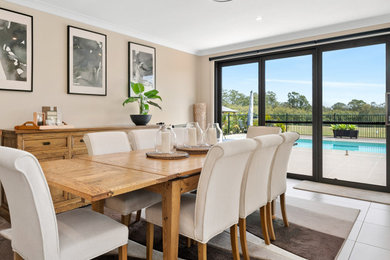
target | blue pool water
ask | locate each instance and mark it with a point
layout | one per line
(343, 145)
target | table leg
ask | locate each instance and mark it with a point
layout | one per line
(98, 206)
(171, 216)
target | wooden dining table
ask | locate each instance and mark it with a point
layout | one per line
(96, 178)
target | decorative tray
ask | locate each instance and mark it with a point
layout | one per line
(194, 149)
(30, 125)
(167, 156)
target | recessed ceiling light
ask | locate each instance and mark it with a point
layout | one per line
(222, 0)
(259, 18)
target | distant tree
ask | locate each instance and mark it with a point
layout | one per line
(356, 105)
(296, 100)
(339, 106)
(270, 99)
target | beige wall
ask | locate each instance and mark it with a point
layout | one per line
(205, 92)
(176, 80)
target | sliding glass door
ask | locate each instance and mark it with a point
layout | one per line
(333, 95)
(289, 104)
(353, 108)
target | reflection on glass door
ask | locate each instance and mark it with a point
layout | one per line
(239, 99)
(288, 104)
(354, 134)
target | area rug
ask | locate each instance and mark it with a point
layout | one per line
(353, 193)
(317, 230)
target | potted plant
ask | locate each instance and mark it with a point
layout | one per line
(144, 102)
(340, 130)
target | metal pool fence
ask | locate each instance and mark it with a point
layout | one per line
(369, 125)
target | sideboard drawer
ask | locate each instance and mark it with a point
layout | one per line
(78, 142)
(45, 144)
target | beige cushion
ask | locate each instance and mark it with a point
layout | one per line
(142, 138)
(254, 131)
(132, 201)
(84, 234)
(187, 209)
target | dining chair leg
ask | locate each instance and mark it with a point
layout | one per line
(273, 209)
(17, 256)
(283, 209)
(269, 222)
(125, 219)
(263, 220)
(234, 242)
(149, 240)
(244, 245)
(122, 252)
(138, 217)
(189, 242)
(202, 251)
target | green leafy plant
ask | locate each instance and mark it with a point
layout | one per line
(143, 98)
(343, 127)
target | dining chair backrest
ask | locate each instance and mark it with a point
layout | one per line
(256, 179)
(279, 165)
(254, 131)
(106, 142)
(33, 220)
(180, 135)
(142, 138)
(218, 194)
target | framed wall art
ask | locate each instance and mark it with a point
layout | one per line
(142, 66)
(87, 62)
(16, 51)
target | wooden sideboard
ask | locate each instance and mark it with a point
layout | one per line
(53, 145)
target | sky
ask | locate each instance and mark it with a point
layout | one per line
(354, 73)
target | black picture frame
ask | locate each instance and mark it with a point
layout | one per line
(87, 62)
(148, 64)
(16, 53)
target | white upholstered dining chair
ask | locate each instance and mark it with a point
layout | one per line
(142, 138)
(279, 177)
(215, 207)
(255, 185)
(115, 142)
(36, 232)
(254, 131)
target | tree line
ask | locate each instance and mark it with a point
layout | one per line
(296, 104)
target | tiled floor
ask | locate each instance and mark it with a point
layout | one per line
(370, 236)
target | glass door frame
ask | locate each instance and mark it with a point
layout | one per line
(347, 45)
(317, 52)
(314, 122)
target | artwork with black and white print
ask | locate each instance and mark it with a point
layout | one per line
(142, 63)
(87, 62)
(13, 52)
(143, 68)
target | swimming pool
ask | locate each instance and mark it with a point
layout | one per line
(343, 145)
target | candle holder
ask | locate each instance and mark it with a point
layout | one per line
(165, 140)
(193, 135)
(213, 134)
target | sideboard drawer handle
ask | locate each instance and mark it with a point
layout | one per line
(46, 143)
(81, 141)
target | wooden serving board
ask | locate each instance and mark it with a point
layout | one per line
(167, 156)
(194, 149)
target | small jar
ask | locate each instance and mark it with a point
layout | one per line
(213, 134)
(165, 140)
(193, 135)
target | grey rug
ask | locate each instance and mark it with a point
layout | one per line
(367, 195)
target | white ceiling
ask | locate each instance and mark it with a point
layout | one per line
(205, 27)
